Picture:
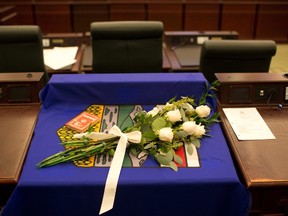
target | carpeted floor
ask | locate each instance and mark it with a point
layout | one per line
(279, 63)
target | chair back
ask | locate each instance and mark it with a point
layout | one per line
(220, 56)
(21, 49)
(127, 46)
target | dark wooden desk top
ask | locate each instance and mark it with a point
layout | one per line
(263, 163)
(86, 63)
(183, 48)
(236, 78)
(174, 62)
(16, 126)
(21, 77)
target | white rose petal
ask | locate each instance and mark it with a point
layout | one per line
(189, 107)
(199, 130)
(203, 111)
(153, 112)
(166, 134)
(174, 116)
(189, 127)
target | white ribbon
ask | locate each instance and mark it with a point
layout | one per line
(117, 162)
(115, 168)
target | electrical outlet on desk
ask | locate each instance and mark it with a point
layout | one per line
(268, 92)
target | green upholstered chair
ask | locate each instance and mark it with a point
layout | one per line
(21, 49)
(220, 56)
(127, 46)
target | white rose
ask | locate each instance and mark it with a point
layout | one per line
(199, 130)
(174, 116)
(203, 111)
(166, 134)
(153, 112)
(189, 127)
(189, 107)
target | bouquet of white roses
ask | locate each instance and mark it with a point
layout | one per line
(160, 132)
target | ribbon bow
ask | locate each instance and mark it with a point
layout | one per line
(115, 168)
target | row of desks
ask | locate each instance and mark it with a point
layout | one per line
(181, 49)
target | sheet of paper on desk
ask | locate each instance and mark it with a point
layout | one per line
(248, 124)
(60, 57)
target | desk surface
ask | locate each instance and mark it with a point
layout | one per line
(16, 126)
(183, 48)
(20, 121)
(86, 63)
(213, 189)
(264, 162)
(21, 77)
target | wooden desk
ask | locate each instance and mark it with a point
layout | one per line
(263, 164)
(84, 54)
(86, 63)
(16, 126)
(21, 87)
(65, 40)
(183, 48)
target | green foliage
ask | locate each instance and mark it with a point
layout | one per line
(158, 123)
(154, 141)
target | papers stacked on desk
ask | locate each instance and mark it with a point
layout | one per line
(60, 57)
(248, 124)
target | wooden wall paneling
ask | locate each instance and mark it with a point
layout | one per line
(272, 21)
(84, 14)
(239, 17)
(25, 14)
(201, 16)
(127, 10)
(8, 15)
(53, 17)
(169, 12)
(24, 10)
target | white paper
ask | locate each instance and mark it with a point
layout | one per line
(248, 124)
(60, 57)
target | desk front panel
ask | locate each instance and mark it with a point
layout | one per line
(263, 163)
(16, 126)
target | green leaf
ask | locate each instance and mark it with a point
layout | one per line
(158, 123)
(189, 149)
(182, 134)
(149, 145)
(111, 152)
(170, 155)
(149, 135)
(178, 159)
(90, 128)
(196, 142)
(134, 150)
(173, 166)
(162, 159)
(183, 115)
